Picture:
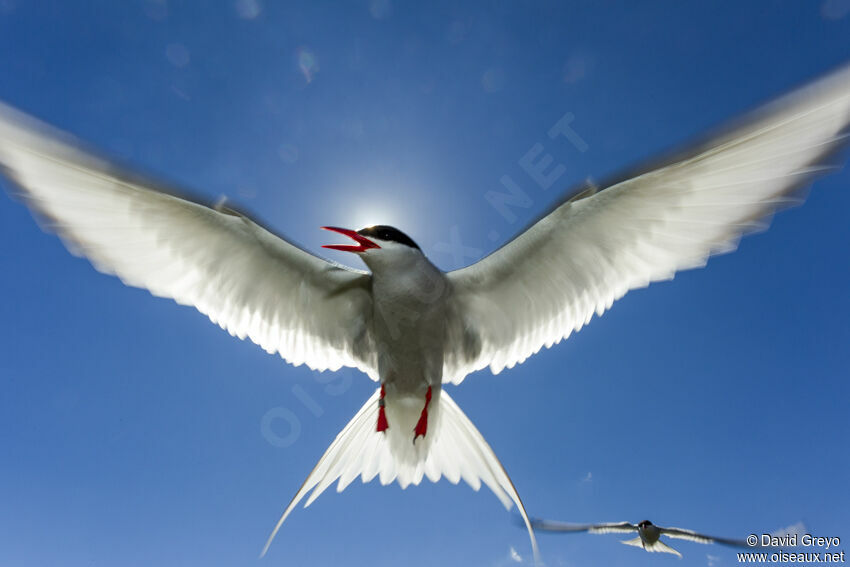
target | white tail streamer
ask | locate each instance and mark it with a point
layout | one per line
(455, 450)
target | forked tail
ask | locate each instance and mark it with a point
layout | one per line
(657, 547)
(455, 450)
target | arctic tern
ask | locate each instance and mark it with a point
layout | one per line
(648, 534)
(407, 325)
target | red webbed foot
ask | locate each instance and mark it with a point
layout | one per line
(422, 425)
(382, 414)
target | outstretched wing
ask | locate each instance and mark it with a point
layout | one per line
(592, 249)
(689, 535)
(564, 527)
(244, 278)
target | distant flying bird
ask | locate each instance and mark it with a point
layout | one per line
(406, 324)
(648, 534)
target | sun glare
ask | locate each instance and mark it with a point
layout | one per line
(380, 211)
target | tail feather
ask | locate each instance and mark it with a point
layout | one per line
(657, 547)
(661, 547)
(453, 448)
(637, 542)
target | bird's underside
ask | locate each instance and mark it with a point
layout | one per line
(405, 324)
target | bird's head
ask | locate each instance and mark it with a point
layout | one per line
(644, 524)
(378, 245)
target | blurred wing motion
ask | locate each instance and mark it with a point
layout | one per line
(456, 451)
(626, 527)
(610, 528)
(592, 249)
(243, 277)
(689, 535)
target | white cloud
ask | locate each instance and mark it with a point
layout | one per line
(576, 68)
(380, 9)
(799, 528)
(515, 557)
(835, 9)
(248, 9)
(177, 55)
(493, 79)
(512, 558)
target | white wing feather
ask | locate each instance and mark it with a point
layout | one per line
(689, 535)
(612, 528)
(244, 278)
(576, 261)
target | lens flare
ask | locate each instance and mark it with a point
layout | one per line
(308, 64)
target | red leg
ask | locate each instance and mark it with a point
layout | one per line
(422, 425)
(382, 414)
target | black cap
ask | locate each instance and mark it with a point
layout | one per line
(388, 233)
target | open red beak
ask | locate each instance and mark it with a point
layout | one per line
(363, 243)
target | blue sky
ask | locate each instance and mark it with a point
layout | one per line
(134, 432)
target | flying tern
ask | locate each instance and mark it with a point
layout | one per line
(648, 534)
(404, 323)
